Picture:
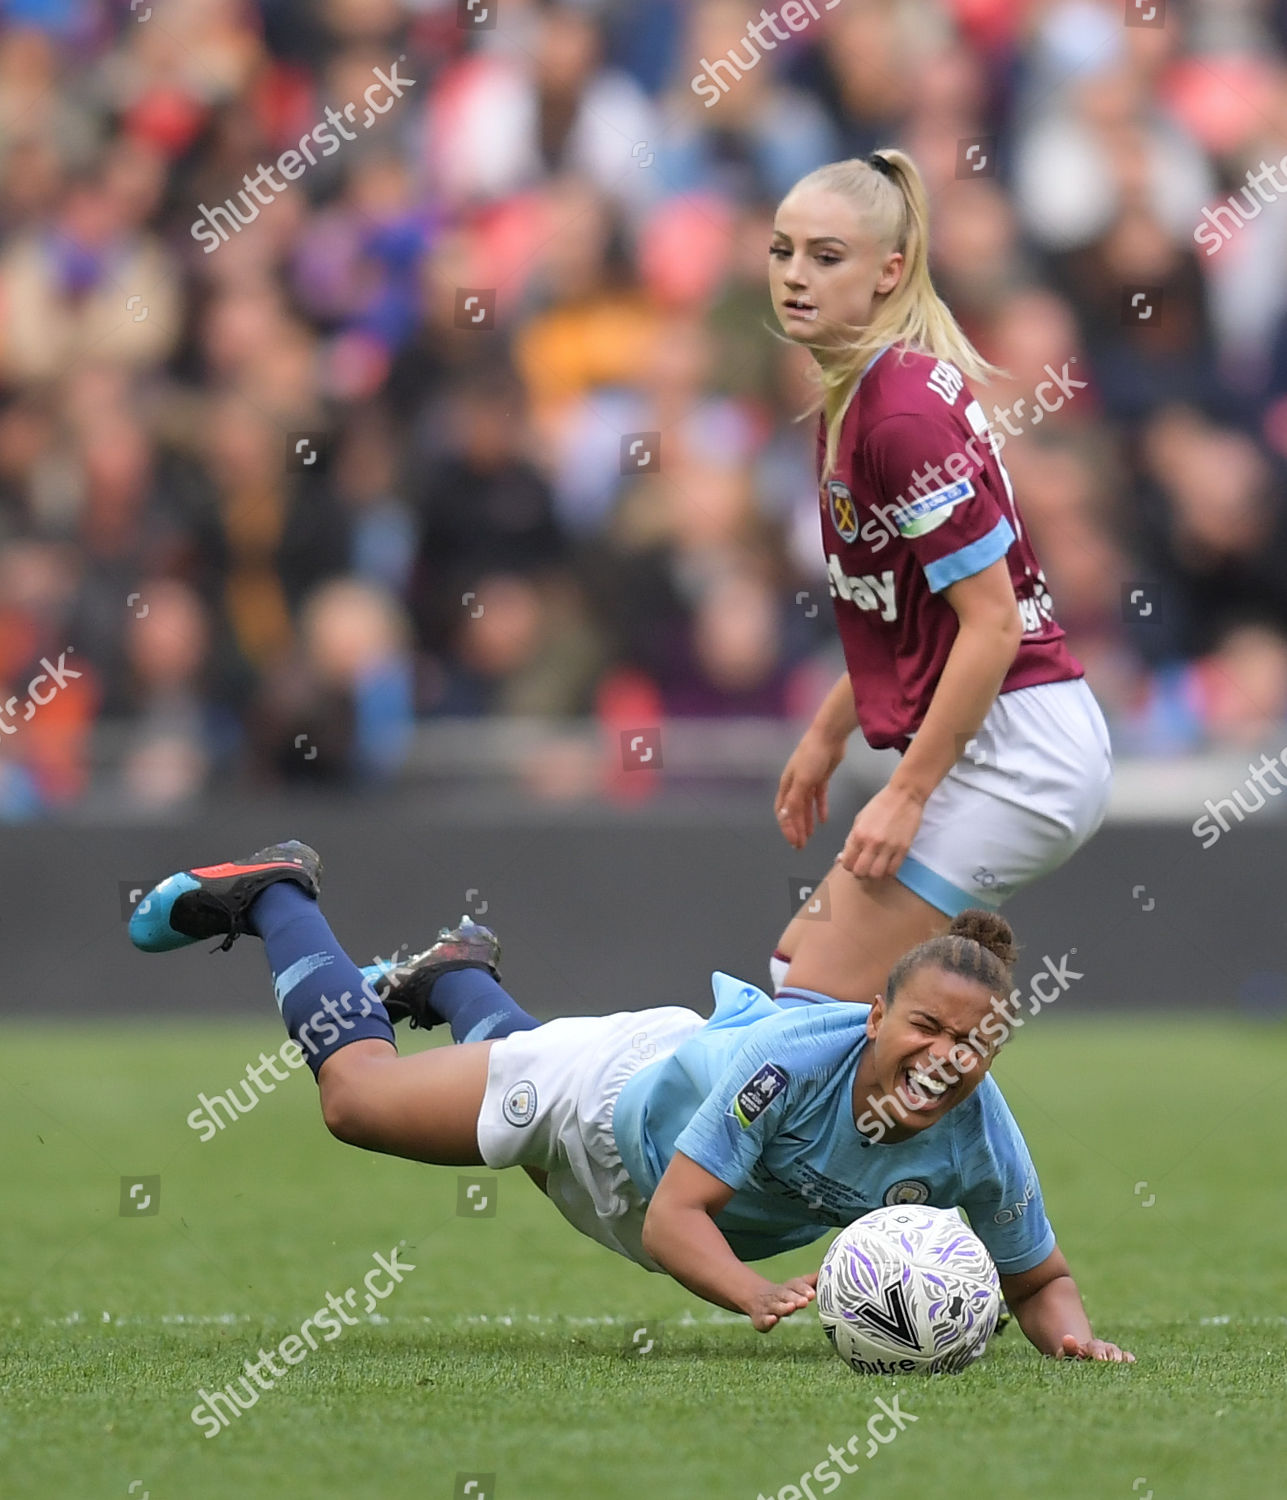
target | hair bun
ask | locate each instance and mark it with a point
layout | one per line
(990, 930)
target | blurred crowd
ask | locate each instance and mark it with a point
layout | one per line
(473, 406)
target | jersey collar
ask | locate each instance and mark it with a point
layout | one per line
(884, 349)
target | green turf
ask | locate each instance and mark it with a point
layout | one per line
(513, 1348)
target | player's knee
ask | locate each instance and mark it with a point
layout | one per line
(344, 1112)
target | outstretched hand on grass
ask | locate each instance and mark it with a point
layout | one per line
(1095, 1349)
(777, 1302)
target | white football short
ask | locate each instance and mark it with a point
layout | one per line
(1029, 790)
(549, 1102)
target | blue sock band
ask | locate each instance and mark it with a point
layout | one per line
(476, 1008)
(323, 998)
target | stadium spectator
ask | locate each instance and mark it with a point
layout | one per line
(339, 707)
(1214, 531)
(612, 219)
(483, 507)
(525, 648)
(183, 725)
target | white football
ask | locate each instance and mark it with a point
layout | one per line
(908, 1290)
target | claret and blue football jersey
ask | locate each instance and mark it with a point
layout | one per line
(762, 1098)
(918, 501)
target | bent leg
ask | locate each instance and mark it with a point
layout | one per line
(424, 1107)
(868, 925)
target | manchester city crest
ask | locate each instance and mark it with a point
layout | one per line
(844, 513)
(910, 1190)
(519, 1104)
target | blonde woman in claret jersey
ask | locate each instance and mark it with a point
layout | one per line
(953, 653)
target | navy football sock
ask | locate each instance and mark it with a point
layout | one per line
(476, 1008)
(323, 998)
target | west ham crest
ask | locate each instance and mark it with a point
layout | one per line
(844, 513)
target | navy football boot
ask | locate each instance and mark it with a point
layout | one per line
(213, 900)
(403, 988)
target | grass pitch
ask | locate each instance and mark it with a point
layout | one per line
(531, 1363)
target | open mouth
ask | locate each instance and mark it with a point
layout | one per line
(920, 1091)
(798, 307)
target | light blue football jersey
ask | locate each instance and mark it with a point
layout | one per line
(762, 1098)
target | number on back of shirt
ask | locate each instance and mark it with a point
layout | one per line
(947, 380)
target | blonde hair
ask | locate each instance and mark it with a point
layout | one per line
(895, 209)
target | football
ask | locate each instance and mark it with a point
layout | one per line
(908, 1290)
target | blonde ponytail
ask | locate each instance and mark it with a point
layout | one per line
(892, 201)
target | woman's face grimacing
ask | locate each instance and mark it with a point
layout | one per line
(825, 267)
(928, 1049)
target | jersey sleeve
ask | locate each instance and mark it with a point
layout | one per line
(938, 495)
(1001, 1193)
(745, 1107)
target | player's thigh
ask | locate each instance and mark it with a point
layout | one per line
(848, 936)
(424, 1106)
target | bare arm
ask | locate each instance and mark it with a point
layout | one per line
(802, 788)
(681, 1235)
(976, 666)
(1049, 1308)
(984, 649)
(837, 718)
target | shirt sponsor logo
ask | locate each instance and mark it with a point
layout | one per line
(844, 513)
(519, 1105)
(1017, 1210)
(866, 590)
(916, 517)
(755, 1096)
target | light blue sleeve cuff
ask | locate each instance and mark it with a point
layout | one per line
(970, 560)
(1016, 1265)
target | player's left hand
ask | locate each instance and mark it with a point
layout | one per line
(1074, 1348)
(882, 834)
(774, 1303)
